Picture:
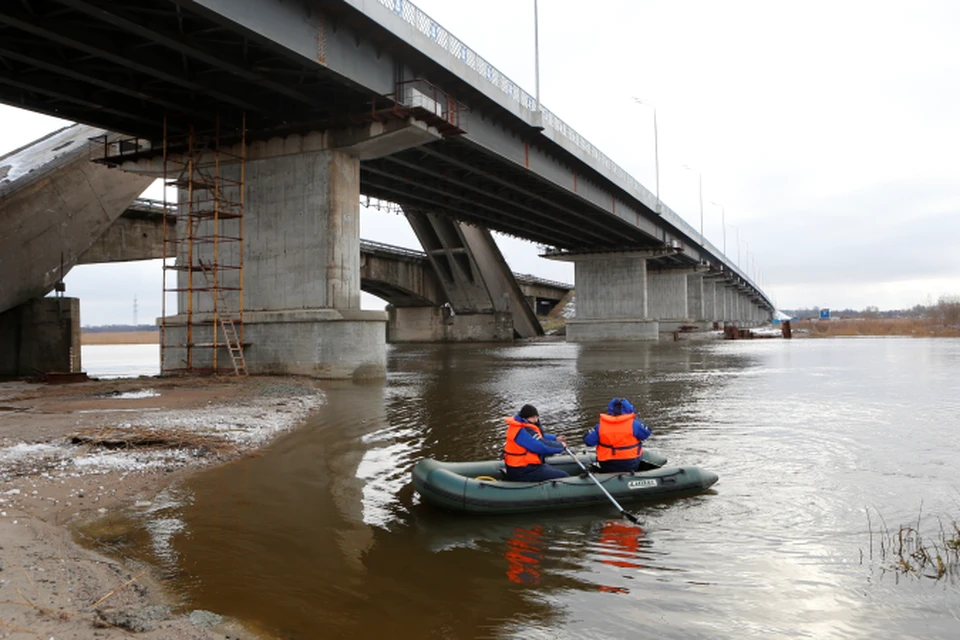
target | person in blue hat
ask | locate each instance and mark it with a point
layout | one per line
(618, 437)
(527, 446)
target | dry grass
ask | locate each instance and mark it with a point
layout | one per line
(139, 437)
(908, 552)
(120, 337)
(916, 327)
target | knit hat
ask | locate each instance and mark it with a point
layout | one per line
(528, 411)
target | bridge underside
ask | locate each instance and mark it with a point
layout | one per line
(76, 58)
(330, 74)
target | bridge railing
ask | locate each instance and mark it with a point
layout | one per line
(370, 245)
(426, 25)
(430, 28)
(529, 278)
(152, 205)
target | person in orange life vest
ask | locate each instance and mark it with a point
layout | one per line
(526, 447)
(618, 437)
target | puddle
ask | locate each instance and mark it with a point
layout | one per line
(128, 395)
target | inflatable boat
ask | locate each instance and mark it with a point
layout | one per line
(482, 488)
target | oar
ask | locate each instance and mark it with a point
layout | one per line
(626, 514)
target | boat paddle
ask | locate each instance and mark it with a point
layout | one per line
(626, 514)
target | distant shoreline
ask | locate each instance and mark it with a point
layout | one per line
(119, 337)
(906, 327)
(817, 329)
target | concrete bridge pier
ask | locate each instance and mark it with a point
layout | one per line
(41, 335)
(729, 302)
(612, 301)
(710, 308)
(301, 271)
(668, 298)
(484, 303)
(301, 257)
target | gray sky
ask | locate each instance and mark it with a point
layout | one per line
(827, 130)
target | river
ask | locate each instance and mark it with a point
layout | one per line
(824, 448)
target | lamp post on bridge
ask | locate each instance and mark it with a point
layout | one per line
(656, 149)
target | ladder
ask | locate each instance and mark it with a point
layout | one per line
(226, 320)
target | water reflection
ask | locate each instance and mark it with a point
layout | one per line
(620, 542)
(523, 554)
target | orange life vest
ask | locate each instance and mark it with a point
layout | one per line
(617, 441)
(515, 455)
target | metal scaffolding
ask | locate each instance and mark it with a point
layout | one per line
(205, 169)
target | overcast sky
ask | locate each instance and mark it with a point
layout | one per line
(828, 131)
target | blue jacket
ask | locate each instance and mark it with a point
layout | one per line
(531, 441)
(640, 430)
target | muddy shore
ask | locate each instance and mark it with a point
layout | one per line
(72, 453)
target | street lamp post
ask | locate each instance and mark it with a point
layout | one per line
(656, 149)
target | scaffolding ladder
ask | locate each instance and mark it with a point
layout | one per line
(204, 166)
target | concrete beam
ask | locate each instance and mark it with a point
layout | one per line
(134, 236)
(54, 204)
(380, 139)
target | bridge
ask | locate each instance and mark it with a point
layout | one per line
(301, 107)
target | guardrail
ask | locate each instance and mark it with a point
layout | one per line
(426, 25)
(532, 279)
(370, 245)
(152, 205)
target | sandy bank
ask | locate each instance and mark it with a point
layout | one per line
(69, 453)
(120, 337)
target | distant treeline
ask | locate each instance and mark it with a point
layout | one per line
(112, 328)
(947, 311)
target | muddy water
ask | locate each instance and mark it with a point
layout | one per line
(823, 447)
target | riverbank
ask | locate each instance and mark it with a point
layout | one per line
(73, 453)
(907, 327)
(119, 337)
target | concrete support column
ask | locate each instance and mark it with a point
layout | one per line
(611, 299)
(696, 300)
(729, 313)
(301, 287)
(667, 299)
(709, 302)
(41, 335)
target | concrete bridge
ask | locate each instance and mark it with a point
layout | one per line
(302, 106)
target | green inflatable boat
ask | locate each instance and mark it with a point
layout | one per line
(481, 487)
